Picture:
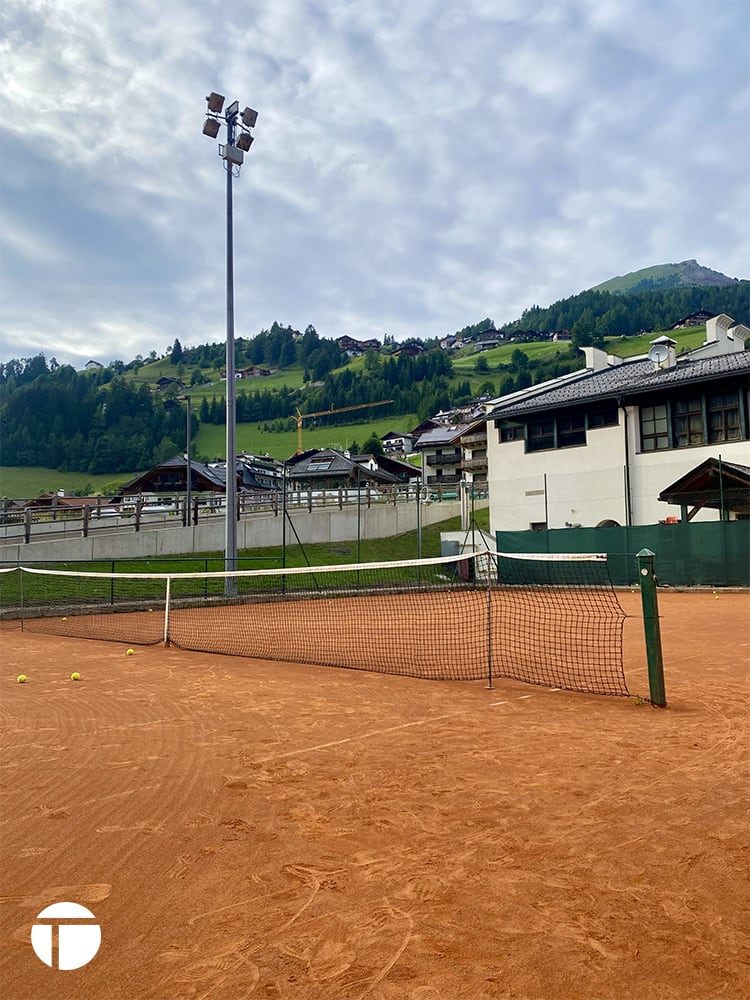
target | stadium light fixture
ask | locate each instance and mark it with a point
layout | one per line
(215, 103)
(232, 152)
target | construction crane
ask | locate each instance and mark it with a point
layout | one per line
(299, 417)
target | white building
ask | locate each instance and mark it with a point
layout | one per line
(440, 448)
(598, 446)
(397, 442)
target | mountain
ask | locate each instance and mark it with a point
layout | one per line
(686, 274)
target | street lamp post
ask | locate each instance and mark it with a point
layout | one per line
(239, 140)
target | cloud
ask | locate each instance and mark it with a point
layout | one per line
(416, 166)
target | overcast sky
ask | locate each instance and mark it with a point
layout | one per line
(418, 165)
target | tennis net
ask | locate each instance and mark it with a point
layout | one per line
(554, 621)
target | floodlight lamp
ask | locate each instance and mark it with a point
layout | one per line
(233, 108)
(249, 117)
(245, 141)
(232, 155)
(211, 128)
(215, 102)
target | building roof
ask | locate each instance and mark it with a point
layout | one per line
(328, 463)
(437, 436)
(331, 464)
(714, 484)
(213, 478)
(56, 500)
(400, 471)
(629, 380)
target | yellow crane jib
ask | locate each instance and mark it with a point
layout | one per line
(299, 417)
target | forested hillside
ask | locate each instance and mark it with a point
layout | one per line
(592, 315)
(87, 422)
(113, 419)
(100, 422)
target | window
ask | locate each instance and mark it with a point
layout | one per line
(511, 432)
(687, 423)
(724, 417)
(571, 430)
(541, 435)
(654, 427)
(556, 432)
(604, 415)
(698, 420)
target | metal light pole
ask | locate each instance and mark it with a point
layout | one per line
(189, 470)
(233, 154)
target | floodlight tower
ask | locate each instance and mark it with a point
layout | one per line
(233, 154)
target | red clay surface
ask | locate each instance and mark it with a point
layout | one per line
(253, 829)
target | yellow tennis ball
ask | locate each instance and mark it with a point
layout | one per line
(131, 652)
(22, 678)
(75, 676)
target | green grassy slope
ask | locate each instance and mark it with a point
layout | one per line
(293, 377)
(210, 439)
(29, 481)
(676, 275)
(628, 347)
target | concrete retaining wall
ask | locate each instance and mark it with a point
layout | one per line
(257, 531)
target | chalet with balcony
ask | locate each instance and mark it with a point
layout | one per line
(397, 442)
(252, 372)
(355, 348)
(165, 382)
(473, 444)
(171, 477)
(442, 455)
(699, 318)
(489, 338)
(409, 351)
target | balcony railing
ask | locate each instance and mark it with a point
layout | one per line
(446, 458)
(471, 464)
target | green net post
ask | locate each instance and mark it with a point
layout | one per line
(651, 627)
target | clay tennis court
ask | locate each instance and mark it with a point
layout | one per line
(244, 828)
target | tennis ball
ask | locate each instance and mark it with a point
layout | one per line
(130, 652)
(22, 678)
(75, 676)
